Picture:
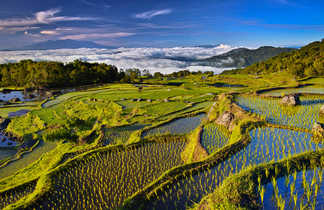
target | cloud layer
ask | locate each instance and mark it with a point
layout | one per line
(152, 13)
(164, 60)
(42, 17)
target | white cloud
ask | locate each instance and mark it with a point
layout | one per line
(97, 36)
(152, 13)
(153, 59)
(48, 32)
(42, 17)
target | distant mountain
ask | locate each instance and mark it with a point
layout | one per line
(243, 57)
(207, 46)
(307, 61)
(62, 44)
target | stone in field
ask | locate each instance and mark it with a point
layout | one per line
(225, 119)
(322, 110)
(318, 130)
(290, 100)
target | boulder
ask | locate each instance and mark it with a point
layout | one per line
(14, 100)
(322, 110)
(225, 119)
(290, 100)
(139, 100)
(149, 100)
(166, 100)
(318, 130)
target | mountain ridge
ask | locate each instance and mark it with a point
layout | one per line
(306, 61)
(243, 57)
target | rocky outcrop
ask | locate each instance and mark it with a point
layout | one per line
(318, 130)
(225, 119)
(290, 100)
(321, 112)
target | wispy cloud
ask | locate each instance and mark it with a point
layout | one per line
(152, 13)
(42, 17)
(48, 32)
(97, 36)
(173, 26)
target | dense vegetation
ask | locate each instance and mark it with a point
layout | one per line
(50, 74)
(28, 73)
(307, 61)
(243, 57)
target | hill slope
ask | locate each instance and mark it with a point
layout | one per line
(307, 61)
(243, 57)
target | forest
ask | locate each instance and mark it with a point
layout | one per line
(308, 61)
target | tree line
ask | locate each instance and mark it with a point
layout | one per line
(50, 74)
(28, 73)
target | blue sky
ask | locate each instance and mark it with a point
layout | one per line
(148, 23)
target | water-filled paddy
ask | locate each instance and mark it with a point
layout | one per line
(13, 195)
(214, 137)
(178, 126)
(7, 153)
(11, 95)
(104, 180)
(121, 134)
(306, 89)
(267, 144)
(5, 142)
(27, 159)
(303, 116)
(226, 85)
(300, 189)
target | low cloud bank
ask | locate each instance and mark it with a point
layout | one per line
(165, 60)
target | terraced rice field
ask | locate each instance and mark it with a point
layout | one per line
(27, 159)
(105, 179)
(300, 190)
(268, 144)
(121, 134)
(214, 137)
(306, 89)
(6, 153)
(13, 195)
(178, 126)
(303, 116)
